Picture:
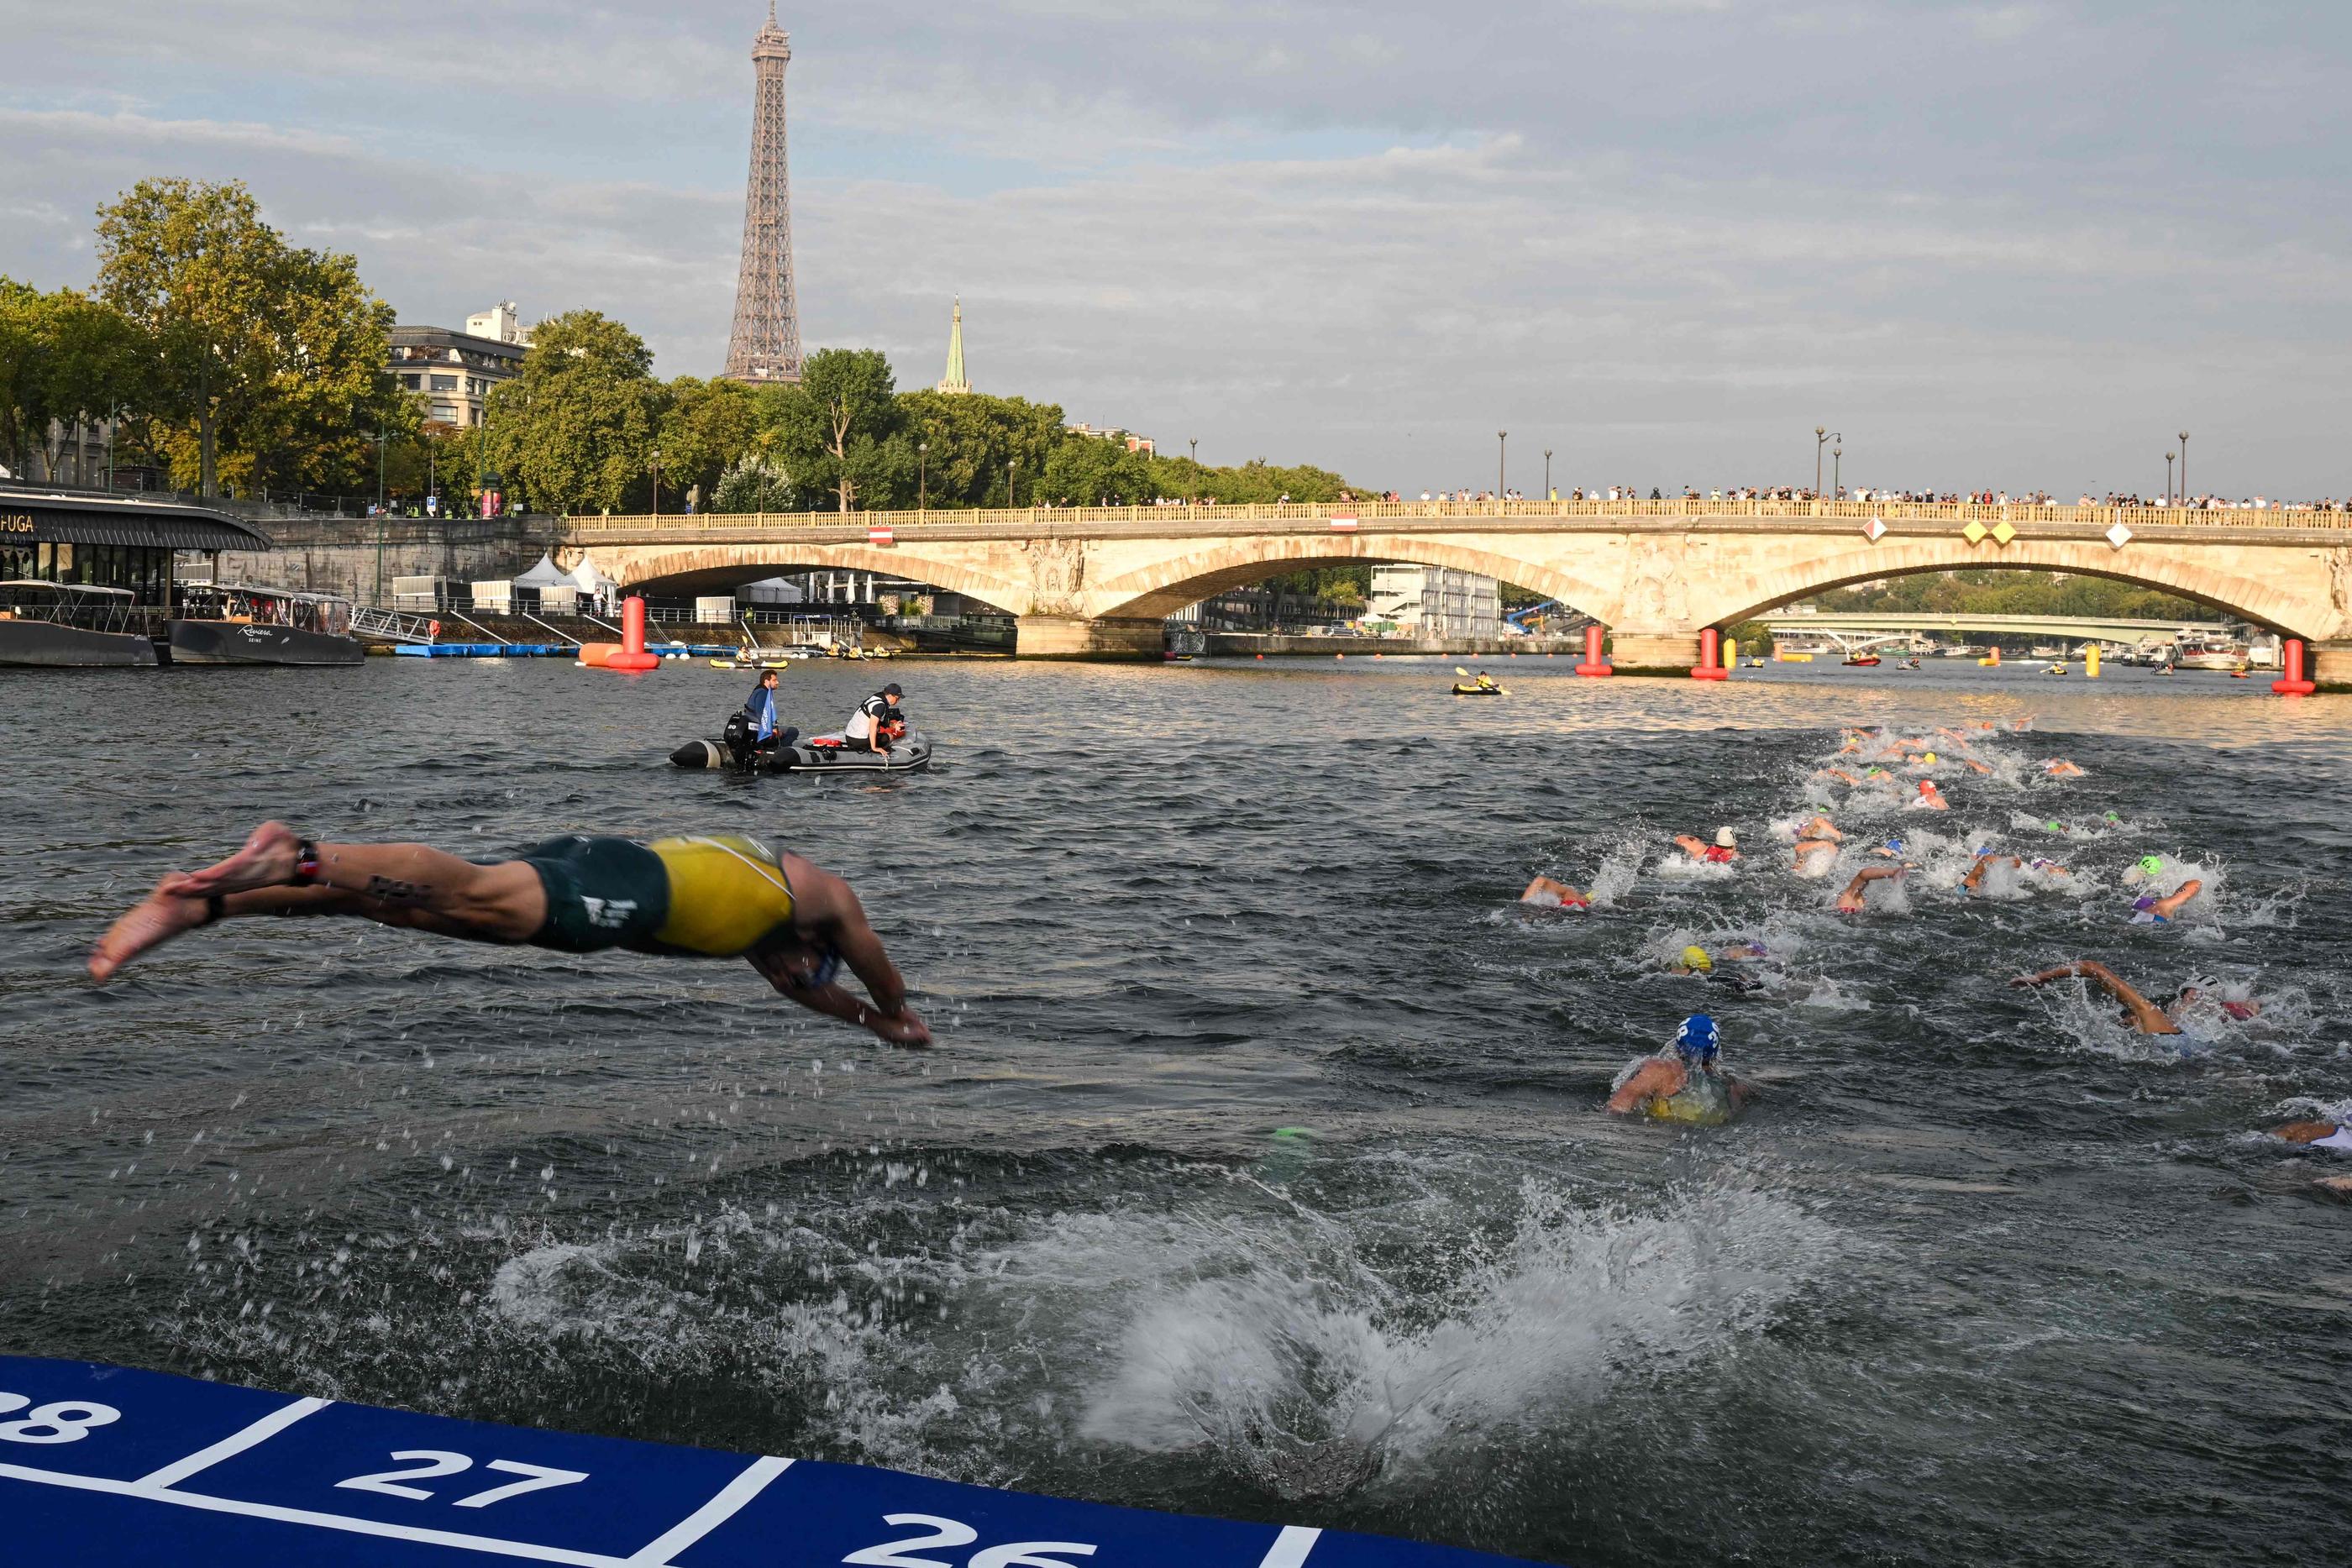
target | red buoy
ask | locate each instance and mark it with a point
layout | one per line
(1710, 657)
(633, 654)
(2292, 684)
(1593, 664)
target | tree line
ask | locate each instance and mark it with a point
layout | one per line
(587, 427)
(224, 354)
(242, 364)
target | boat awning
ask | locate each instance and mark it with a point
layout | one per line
(37, 519)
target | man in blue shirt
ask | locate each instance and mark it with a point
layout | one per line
(761, 709)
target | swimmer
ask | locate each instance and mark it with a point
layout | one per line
(1852, 900)
(1929, 799)
(1817, 848)
(1684, 1082)
(1974, 766)
(2142, 1014)
(1891, 850)
(1986, 861)
(2333, 1136)
(723, 897)
(1837, 773)
(1546, 893)
(2149, 910)
(2059, 767)
(1692, 960)
(1723, 852)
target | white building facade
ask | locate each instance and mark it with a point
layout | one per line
(1435, 601)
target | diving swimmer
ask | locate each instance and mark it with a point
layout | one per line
(726, 897)
(1684, 1082)
(2143, 1015)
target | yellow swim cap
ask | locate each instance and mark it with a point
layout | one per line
(1929, 758)
(1697, 958)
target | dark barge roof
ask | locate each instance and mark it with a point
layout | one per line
(91, 520)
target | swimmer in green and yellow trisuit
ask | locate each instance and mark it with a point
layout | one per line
(725, 896)
(1684, 1082)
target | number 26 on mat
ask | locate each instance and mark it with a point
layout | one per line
(950, 1532)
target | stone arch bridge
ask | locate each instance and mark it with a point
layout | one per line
(1095, 581)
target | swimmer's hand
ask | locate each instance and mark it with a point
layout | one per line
(904, 1027)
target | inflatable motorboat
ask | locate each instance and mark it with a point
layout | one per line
(812, 754)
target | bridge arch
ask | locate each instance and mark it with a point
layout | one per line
(1167, 586)
(2259, 602)
(717, 566)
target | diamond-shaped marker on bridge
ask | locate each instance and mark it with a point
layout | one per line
(2118, 535)
(2003, 533)
(1874, 530)
(1974, 533)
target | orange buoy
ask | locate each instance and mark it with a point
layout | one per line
(593, 655)
(633, 656)
(2290, 682)
(1710, 657)
(1593, 664)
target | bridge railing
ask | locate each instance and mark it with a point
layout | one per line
(1080, 519)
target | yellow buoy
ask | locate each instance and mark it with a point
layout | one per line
(2091, 663)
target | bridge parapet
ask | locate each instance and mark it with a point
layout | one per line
(1029, 521)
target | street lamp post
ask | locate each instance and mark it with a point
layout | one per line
(1820, 435)
(2168, 479)
(1547, 473)
(2184, 468)
(1010, 502)
(379, 515)
(1837, 472)
(922, 477)
(1502, 446)
(657, 481)
(1194, 443)
(113, 418)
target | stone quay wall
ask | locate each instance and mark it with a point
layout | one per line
(337, 555)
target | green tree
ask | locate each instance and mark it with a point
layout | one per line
(1093, 470)
(576, 431)
(707, 427)
(91, 358)
(1256, 482)
(195, 267)
(328, 393)
(842, 432)
(973, 436)
(756, 483)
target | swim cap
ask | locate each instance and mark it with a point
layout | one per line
(2152, 863)
(1696, 1037)
(1927, 785)
(1725, 839)
(1983, 851)
(2113, 818)
(2056, 826)
(1930, 758)
(1895, 846)
(1697, 959)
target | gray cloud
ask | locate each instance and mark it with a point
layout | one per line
(2003, 244)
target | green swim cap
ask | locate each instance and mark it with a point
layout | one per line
(2056, 826)
(2152, 863)
(2113, 818)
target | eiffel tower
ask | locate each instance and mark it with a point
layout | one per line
(765, 345)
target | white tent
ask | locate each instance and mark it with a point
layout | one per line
(591, 579)
(546, 574)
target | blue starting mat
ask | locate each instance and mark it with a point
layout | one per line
(105, 1468)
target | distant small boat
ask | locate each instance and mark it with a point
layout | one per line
(1863, 659)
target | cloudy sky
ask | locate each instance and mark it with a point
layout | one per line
(1993, 244)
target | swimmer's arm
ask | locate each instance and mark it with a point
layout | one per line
(825, 902)
(1654, 1080)
(1741, 1090)
(2304, 1132)
(2147, 1017)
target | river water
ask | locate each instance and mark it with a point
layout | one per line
(1258, 1169)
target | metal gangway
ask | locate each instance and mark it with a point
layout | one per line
(391, 626)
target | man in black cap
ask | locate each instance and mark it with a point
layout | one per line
(868, 727)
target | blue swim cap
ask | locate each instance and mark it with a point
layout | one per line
(1895, 846)
(1696, 1037)
(1984, 851)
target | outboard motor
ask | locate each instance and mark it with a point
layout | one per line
(737, 737)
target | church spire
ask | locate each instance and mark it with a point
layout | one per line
(955, 379)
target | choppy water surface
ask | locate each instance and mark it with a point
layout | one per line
(1983, 1278)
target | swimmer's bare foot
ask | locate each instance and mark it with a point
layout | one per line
(151, 922)
(266, 860)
